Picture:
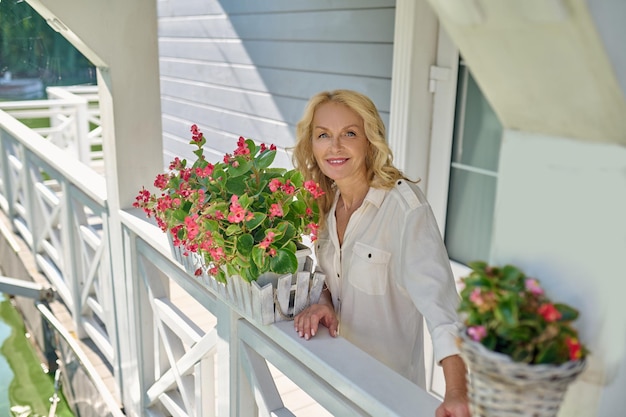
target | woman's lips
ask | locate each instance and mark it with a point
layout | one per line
(336, 161)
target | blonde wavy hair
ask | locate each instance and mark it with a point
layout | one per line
(381, 172)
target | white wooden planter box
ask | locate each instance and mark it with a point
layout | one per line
(260, 300)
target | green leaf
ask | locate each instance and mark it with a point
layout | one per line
(296, 177)
(548, 353)
(252, 146)
(478, 266)
(287, 232)
(232, 229)
(567, 313)
(256, 221)
(259, 257)
(236, 185)
(180, 214)
(211, 225)
(507, 312)
(241, 262)
(264, 159)
(243, 167)
(245, 243)
(285, 262)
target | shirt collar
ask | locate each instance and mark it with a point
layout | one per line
(374, 196)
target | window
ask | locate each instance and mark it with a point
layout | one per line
(473, 173)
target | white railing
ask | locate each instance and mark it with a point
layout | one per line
(69, 118)
(178, 361)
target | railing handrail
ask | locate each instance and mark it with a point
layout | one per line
(39, 104)
(79, 174)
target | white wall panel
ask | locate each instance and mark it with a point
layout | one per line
(248, 67)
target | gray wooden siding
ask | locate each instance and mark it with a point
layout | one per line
(246, 67)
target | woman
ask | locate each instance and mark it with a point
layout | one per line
(385, 263)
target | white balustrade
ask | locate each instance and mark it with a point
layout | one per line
(177, 361)
(72, 120)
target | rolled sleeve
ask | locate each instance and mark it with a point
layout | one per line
(429, 280)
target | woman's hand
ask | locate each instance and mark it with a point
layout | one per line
(454, 405)
(455, 402)
(307, 322)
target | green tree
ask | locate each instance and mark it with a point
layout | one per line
(29, 47)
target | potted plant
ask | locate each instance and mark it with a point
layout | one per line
(238, 217)
(520, 347)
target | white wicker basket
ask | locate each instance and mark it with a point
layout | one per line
(499, 387)
(262, 300)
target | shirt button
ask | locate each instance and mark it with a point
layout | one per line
(337, 275)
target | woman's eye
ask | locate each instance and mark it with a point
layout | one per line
(350, 133)
(322, 135)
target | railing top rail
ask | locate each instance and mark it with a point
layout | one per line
(79, 174)
(358, 376)
(77, 89)
(38, 104)
(65, 93)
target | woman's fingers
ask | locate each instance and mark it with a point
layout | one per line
(307, 322)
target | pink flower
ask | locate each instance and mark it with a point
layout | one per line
(532, 285)
(269, 238)
(242, 147)
(276, 210)
(216, 253)
(314, 188)
(237, 213)
(288, 188)
(161, 181)
(549, 312)
(575, 348)
(313, 228)
(476, 297)
(176, 164)
(274, 185)
(477, 333)
(196, 135)
(205, 172)
(192, 226)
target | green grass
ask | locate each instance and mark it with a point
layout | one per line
(30, 387)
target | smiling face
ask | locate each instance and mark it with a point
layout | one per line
(340, 146)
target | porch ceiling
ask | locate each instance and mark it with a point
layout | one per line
(542, 64)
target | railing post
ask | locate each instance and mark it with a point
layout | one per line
(82, 130)
(238, 401)
(27, 184)
(7, 188)
(70, 242)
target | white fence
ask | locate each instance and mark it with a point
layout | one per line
(70, 118)
(177, 361)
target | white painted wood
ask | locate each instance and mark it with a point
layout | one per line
(267, 397)
(444, 103)
(411, 101)
(285, 25)
(249, 68)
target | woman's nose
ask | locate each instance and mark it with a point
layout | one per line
(335, 142)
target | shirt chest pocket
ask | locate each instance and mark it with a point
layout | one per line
(369, 269)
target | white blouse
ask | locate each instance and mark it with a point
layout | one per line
(391, 272)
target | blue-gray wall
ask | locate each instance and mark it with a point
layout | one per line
(248, 67)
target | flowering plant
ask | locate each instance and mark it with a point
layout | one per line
(509, 313)
(241, 216)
